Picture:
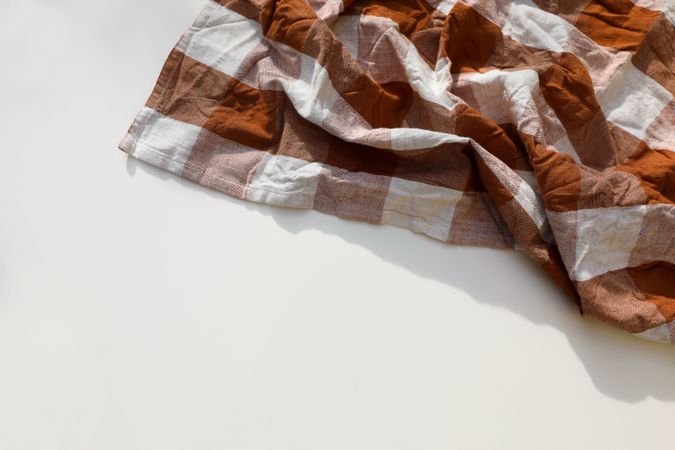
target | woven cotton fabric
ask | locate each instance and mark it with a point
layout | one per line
(544, 126)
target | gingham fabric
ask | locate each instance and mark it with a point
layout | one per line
(544, 126)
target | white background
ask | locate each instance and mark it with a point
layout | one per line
(139, 311)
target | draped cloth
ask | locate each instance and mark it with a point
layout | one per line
(542, 126)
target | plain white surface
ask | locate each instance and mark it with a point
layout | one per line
(139, 311)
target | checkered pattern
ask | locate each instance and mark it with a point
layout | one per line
(539, 125)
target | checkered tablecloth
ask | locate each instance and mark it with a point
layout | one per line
(544, 126)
